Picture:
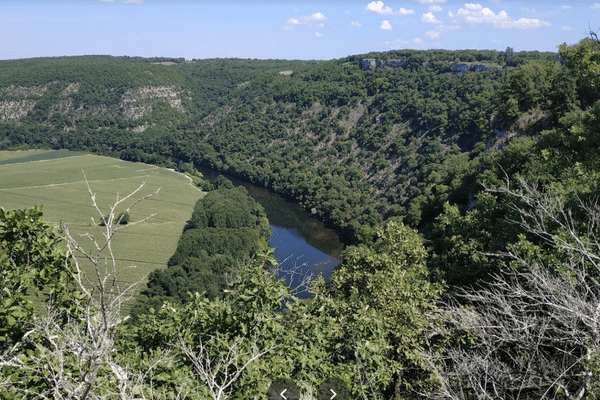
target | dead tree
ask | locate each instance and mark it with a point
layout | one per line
(534, 331)
(594, 35)
(220, 371)
(75, 359)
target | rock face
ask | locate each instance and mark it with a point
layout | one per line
(368, 63)
(466, 67)
(17, 102)
(372, 63)
(459, 68)
(134, 106)
(13, 110)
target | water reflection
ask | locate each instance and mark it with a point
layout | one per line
(299, 260)
(291, 216)
(303, 245)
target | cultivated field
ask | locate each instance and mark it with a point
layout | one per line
(56, 180)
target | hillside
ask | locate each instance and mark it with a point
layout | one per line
(367, 144)
(466, 181)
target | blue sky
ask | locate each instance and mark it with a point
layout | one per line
(285, 29)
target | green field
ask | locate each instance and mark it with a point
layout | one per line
(56, 180)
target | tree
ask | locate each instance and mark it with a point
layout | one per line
(582, 61)
(70, 353)
(384, 301)
(534, 330)
(32, 266)
(508, 56)
(229, 341)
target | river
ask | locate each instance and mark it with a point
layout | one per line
(304, 246)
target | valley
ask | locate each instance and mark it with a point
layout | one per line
(462, 186)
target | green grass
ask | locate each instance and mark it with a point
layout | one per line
(56, 180)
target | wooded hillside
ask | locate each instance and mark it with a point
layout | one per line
(470, 200)
(367, 144)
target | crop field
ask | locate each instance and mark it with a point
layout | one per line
(57, 180)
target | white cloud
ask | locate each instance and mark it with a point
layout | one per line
(318, 34)
(385, 25)
(528, 10)
(356, 24)
(377, 6)
(403, 42)
(431, 1)
(595, 6)
(435, 8)
(305, 20)
(396, 43)
(526, 23)
(567, 28)
(475, 13)
(317, 16)
(566, 7)
(429, 18)
(434, 34)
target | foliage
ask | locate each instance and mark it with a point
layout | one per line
(536, 85)
(233, 343)
(32, 268)
(225, 230)
(359, 138)
(384, 300)
(582, 61)
(69, 353)
(412, 146)
(533, 328)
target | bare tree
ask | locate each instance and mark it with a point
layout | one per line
(296, 273)
(75, 358)
(533, 332)
(220, 363)
(593, 35)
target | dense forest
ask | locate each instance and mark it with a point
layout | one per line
(367, 143)
(465, 183)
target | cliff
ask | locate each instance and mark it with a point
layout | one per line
(454, 67)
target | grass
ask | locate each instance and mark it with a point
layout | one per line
(56, 180)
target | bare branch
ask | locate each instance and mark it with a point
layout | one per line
(71, 355)
(531, 332)
(296, 273)
(220, 369)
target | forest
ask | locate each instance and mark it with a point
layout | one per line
(468, 202)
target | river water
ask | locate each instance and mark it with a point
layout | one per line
(304, 246)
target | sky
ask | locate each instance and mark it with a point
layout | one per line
(277, 29)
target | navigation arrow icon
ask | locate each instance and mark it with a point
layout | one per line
(333, 389)
(283, 389)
